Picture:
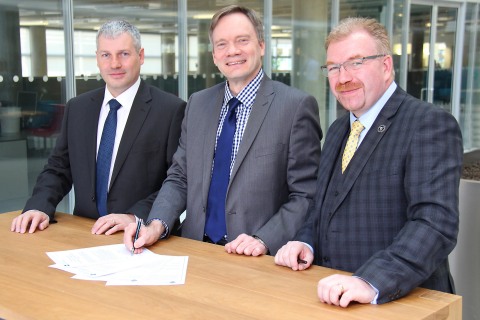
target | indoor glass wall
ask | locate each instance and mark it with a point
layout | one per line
(32, 94)
(48, 56)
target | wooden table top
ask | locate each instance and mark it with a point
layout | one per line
(218, 285)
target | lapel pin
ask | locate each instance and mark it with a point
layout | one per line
(381, 128)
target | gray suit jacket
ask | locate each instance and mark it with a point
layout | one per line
(393, 218)
(273, 178)
(148, 143)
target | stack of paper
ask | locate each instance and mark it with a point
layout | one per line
(115, 265)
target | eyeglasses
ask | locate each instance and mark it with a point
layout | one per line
(333, 70)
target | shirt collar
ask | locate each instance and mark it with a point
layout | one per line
(368, 118)
(247, 95)
(125, 98)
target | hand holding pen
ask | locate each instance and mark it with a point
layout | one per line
(137, 232)
(137, 237)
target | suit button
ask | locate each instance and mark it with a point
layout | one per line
(93, 198)
(337, 193)
(326, 259)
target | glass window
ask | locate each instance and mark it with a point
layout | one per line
(32, 71)
(33, 68)
(297, 32)
(202, 73)
(157, 23)
(299, 39)
(470, 89)
(370, 9)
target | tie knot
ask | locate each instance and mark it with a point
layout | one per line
(233, 104)
(114, 105)
(357, 127)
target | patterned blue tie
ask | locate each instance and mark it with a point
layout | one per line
(215, 226)
(104, 156)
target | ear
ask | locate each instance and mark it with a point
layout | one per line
(141, 54)
(262, 47)
(388, 66)
(214, 59)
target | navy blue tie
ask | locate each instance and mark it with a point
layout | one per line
(104, 156)
(215, 226)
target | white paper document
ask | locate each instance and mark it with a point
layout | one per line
(115, 265)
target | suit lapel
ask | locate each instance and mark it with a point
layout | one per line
(211, 111)
(263, 101)
(136, 118)
(370, 143)
(331, 151)
(92, 111)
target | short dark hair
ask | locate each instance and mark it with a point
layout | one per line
(249, 13)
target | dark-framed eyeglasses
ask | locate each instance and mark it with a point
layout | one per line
(333, 70)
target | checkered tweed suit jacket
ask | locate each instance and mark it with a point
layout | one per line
(394, 220)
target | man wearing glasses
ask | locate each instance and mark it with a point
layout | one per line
(386, 206)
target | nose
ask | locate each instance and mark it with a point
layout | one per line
(344, 75)
(115, 62)
(232, 49)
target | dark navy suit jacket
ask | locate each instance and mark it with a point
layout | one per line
(148, 143)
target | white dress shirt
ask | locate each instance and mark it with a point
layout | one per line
(126, 100)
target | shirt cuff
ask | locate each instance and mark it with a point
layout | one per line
(309, 247)
(165, 233)
(261, 241)
(374, 301)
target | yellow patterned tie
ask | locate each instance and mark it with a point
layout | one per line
(352, 143)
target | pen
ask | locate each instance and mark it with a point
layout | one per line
(139, 225)
(301, 261)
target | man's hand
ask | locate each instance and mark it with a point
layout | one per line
(36, 219)
(340, 290)
(147, 236)
(247, 245)
(294, 254)
(112, 223)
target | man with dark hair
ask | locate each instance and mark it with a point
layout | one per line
(248, 156)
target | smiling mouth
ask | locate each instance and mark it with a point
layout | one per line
(235, 62)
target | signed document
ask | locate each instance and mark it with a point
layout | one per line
(115, 265)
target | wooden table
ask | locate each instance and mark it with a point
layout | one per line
(218, 285)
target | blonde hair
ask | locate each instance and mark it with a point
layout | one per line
(371, 26)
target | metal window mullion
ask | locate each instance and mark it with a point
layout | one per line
(405, 34)
(182, 50)
(332, 101)
(267, 22)
(70, 88)
(431, 60)
(468, 113)
(457, 63)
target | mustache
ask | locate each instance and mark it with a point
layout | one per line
(341, 87)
